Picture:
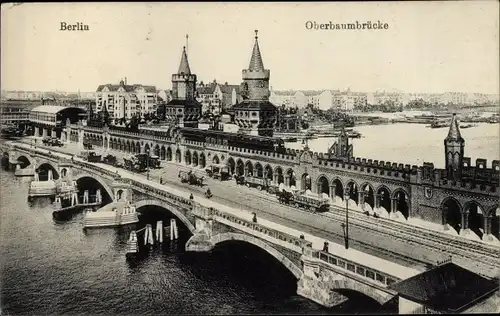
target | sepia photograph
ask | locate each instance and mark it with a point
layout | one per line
(262, 158)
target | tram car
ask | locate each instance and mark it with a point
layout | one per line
(135, 164)
(307, 202)
(259, 183)
(91, 156)
(190, 178)
(218, 171)
(111, 160)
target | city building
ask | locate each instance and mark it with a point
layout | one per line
(125, 101)
(14, 112)
(348, 100)
(183, 110)
(255, 115)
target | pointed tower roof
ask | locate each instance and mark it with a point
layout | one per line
(184, 65)
(256, 63)
(454, 132)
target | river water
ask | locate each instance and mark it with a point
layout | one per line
(415, 143)
(58, 268)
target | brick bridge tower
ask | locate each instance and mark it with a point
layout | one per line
(255, 115)
(454, 151)
(183, 110)
(341, 149)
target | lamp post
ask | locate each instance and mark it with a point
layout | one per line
(345, 225)
(147, 164)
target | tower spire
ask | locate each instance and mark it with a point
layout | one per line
(187, 40)
(256, 63)
(454, 131)
(184, 65)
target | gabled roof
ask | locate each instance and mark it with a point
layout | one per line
(228, 88)
(207, 89)
(184, 65)
(127, 88)
(256, 63)
(448, 288)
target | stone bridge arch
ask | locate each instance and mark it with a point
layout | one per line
(173, 210)
(346, 283)
(223, 237)
(97, 178)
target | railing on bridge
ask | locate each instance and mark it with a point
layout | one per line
(361, 270)
(287, 238)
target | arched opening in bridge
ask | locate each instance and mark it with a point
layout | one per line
(23, 162)
(195, 159)
(231, 165)
(215, 160)
(163, 153)
(401, 202)
(91, 184)
(268, 172)
(178, 155)
(452, 213)
(369, 197)
(127, 146)
(137, 148)
(291, 176)
(240, 168)
(259, 171)
(64, 172)
(245, 265)
(495, 222)
(187, 157)
(352, 188)
(364, 304)
(147, 149)
(169, 154)
(339, 188)
(384, 195)
(475, 217)
(157, 151)
(323, 186)
(43, 172)
(306, 182)
(249, 169)
(202, 160)
(151, 214)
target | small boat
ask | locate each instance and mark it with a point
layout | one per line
(467, 126)
(438, 124)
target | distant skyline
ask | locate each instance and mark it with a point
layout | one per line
(431, 47)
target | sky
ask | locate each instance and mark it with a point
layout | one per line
(428, 47)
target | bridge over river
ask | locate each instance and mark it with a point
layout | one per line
(381, 252)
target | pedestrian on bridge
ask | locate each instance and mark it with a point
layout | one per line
(161, 180)
(191, 197)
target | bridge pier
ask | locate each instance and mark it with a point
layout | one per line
(314, 284)
(200, 241)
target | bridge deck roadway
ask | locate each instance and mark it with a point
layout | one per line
(411, 247)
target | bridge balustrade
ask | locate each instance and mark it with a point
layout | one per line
(362, 270)
(262, 229)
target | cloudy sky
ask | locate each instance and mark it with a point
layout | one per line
(428, 47)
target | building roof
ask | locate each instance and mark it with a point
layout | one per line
(284, 92)
(256, 63)
(128, 88)
(454, 132)
(52, 109)
(257, 105)
(184, 65)
(184, 103)
(228, 88)
(206, 89)
(447, 288)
